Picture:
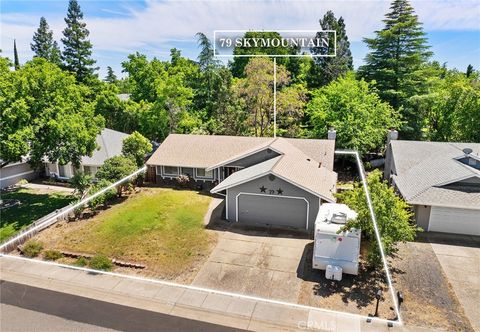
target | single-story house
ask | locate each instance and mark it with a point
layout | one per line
(441, 180)
(12, 173)
(109, 144)
(275, 181)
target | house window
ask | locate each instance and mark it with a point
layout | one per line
(63, 171)
(202, 173)
(170, 170)
(90, 170)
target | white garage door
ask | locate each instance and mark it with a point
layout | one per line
(451, 220)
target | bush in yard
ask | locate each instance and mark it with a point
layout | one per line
(135, 147)
(52, 255)
(100, 262)
(81, 261)
(81, 182)
(103, 198)
(117, 168)
(182, 180)
(32, 248)
(392, 212)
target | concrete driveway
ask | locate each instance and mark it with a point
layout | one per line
(255, 263)
(460, 260)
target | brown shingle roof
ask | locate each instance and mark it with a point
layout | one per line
(209, 150)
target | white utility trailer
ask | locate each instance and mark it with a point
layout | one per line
(334, 252)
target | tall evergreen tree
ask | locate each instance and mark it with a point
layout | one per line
(16, 62)
(77, 48)
(43, 44)
(396, 61)
(327, 69)
(111, 77)
(469, 71)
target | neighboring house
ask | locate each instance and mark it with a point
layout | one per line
(440, 180)
(109, 144)
(14, 172)
(276, 181)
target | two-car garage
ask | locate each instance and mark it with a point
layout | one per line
(454, 220)
(281, 211)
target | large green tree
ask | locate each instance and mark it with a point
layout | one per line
(239, 63)
(136, 147)
(45, 114)
(451, 106)
(43, 44)
(255, 91)
(395, 62)
(360, 117)
(393, 216)
(327, 69)
(77, 49)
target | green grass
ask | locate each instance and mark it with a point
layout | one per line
(162, 228)
(33, 205)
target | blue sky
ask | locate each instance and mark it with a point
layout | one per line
(118, 28)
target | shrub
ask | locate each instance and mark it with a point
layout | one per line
(22, 182)
(103, 198)
(81, 261)
(52, 255)
(32, 248)
(100, 262)
(182, 179)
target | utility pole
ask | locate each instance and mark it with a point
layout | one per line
(274, 97)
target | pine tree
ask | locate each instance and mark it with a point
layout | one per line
(111, 77)
(327, 69)
(16, 62)
(469, 71)
(55, 54)
(397, 56)
(77, 48)
(43, 44)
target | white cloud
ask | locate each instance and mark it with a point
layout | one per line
(162, 22)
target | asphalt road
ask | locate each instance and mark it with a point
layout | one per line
(23, 305)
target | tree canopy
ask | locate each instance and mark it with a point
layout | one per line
(136, 147)
(327, 69)
(393, 216)
(45, 114)
(77, 49)
(352, 107)
(43, 45)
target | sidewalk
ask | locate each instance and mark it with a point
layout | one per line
(182, 301)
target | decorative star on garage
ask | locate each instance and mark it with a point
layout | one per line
(263, 189)
(280, 191)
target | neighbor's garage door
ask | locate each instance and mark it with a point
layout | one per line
(451, 220)
(273, 210)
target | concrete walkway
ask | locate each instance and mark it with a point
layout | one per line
(461, 264)
(183, 301)
(48, 187)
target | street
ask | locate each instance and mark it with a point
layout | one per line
(26, 308)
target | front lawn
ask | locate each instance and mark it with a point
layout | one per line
(161, 228)
(34, 204)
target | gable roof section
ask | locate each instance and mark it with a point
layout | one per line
(293, 166)
(423, 168)
(109, 144)
(204, 151)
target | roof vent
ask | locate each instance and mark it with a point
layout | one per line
(467, 151)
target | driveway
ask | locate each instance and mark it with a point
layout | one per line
(459, 257)
(255, 263)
